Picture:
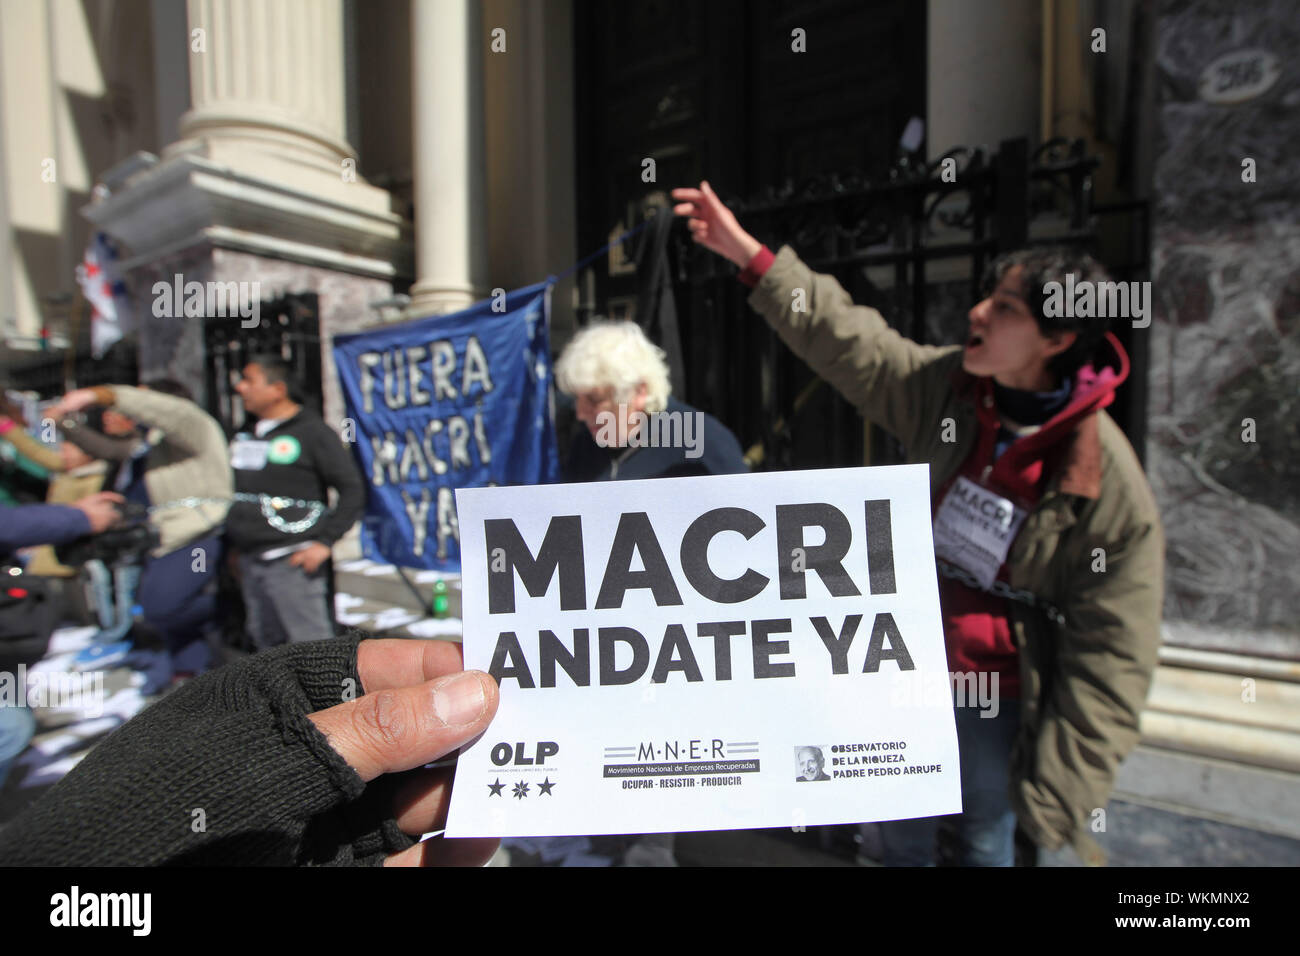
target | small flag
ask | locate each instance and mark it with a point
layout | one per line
(106, 293)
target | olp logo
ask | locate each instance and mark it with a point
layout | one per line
(504, 753)
(283, 450)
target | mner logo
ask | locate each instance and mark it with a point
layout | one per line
(102, 909)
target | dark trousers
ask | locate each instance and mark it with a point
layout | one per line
(987, 826)
(284, 603)
(176, 600)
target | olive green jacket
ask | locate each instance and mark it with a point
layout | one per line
(1083, 685)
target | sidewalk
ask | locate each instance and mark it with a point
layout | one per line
(374, 598)
(65, 734)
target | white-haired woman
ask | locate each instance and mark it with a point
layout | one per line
(634, 427)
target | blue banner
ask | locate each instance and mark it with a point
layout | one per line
(452, 401)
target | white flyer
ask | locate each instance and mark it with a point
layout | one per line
(692, 653)
(974, 529)
(248, 454)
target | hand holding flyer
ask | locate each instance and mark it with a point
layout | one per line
(670, 660)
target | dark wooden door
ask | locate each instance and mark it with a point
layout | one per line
(289, 328)
(716, 90)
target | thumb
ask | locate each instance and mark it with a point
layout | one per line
(403, 728)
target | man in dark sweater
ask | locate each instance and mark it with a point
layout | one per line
(288, 461)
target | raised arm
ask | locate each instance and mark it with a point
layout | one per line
(186, 425)
(889, 378)
(714, 226)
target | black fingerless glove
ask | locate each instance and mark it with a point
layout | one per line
(226, 770)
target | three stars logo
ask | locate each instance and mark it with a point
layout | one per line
(520, 790)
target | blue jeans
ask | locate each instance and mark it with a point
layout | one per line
(117, 598)
(17, 726)
(101, 580)
(986, 828)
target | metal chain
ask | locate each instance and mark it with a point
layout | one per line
(269, 504)
(1001, 589)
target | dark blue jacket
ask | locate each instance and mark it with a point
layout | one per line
(24, 525)
(717, 453)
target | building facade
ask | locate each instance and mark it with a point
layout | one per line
(354, 153)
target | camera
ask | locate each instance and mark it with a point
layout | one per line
(127, 542)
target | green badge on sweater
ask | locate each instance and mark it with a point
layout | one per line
(284, 450)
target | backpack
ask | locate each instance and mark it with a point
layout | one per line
(28, 613)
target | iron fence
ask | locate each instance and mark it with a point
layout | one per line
(916, 248)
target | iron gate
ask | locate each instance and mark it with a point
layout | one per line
(914, 247)
(55, 373)
(289, 328)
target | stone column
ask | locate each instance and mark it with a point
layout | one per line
(267, 91)
(982, 84)
(450, 208)
(529, 121)
(262, 188)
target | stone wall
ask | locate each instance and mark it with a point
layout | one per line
(174, 346)
(1225, 355)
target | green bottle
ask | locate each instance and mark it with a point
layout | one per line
(440, 599)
